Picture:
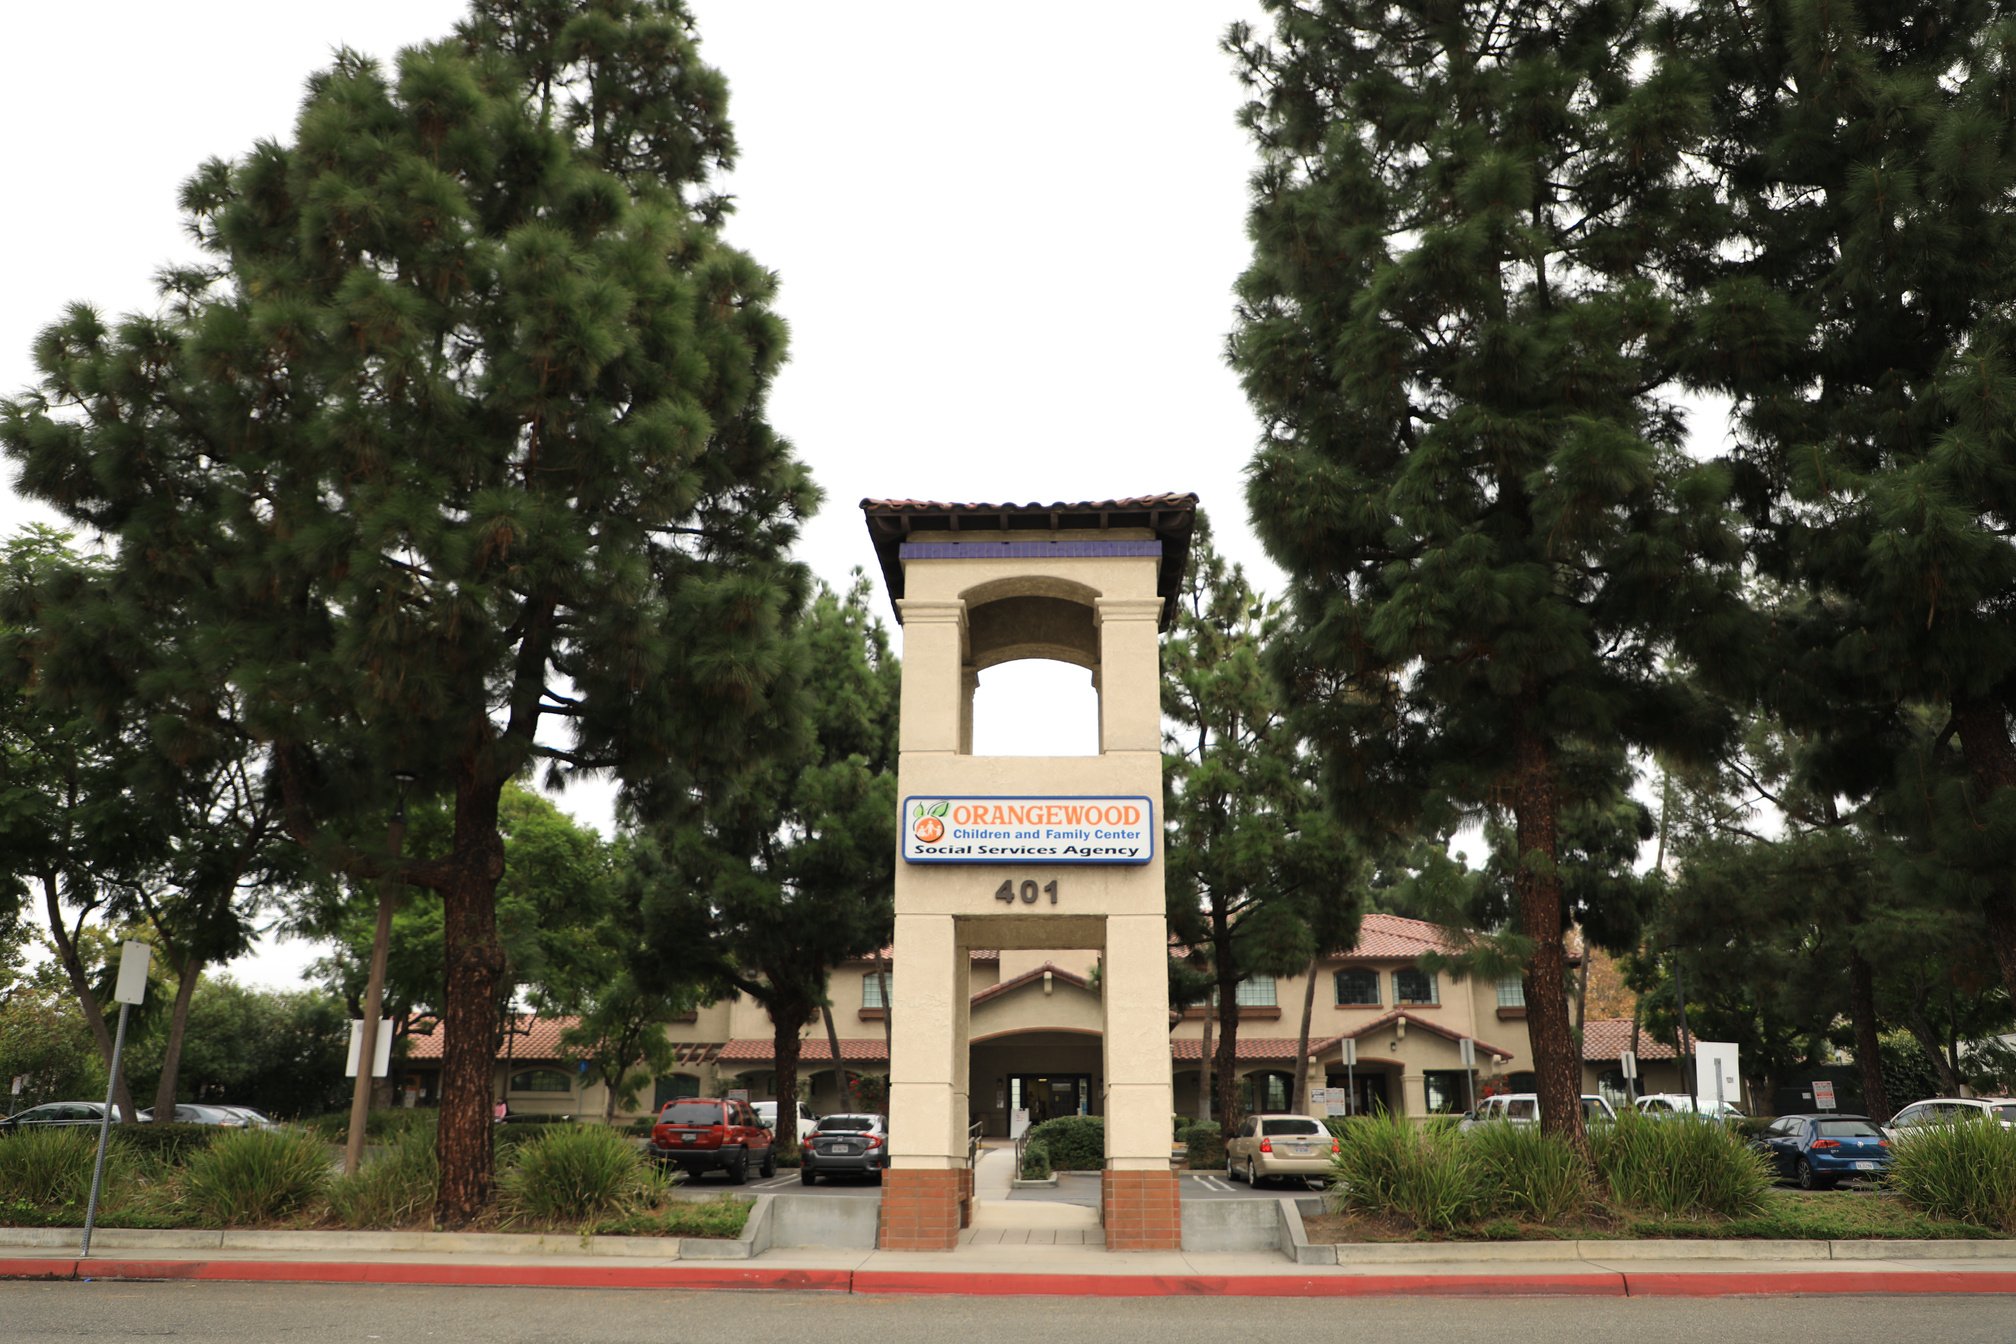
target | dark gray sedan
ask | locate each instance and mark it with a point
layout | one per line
(849, 1144)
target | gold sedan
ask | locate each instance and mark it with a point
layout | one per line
(1267, 1146)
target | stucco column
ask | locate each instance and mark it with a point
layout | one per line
(924, 1192)
(936, 711)
(969, 686)
(1130, 674)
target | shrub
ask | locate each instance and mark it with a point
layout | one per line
(575, 1174)
(1035, 1161)
(251, 1176)
(381, 1125)
(47, 1166)
(1076, 1142)
(1207, 1146)
(1527, 1174)
(1390, 1168)
(1965, 1171)
(166, 1143)
(1180, 1130)
(1679, 1168)
(393, 1189)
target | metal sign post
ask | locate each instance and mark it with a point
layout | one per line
(131, 989)
(1351, 1074)
(1466, 1049)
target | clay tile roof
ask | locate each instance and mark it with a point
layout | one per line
(810, 1051)
(1016, 982)
(1385, 937)
(1415, 1020)
(533, 1038)
(1171, 517)
(1604, 1039)
(1191, 1049)
(888, 954)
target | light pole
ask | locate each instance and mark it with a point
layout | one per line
(374, 986)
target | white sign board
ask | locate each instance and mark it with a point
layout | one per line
(1350, 1050)
(1331, 1100)
(1466, 1050)
(132, 986)
(381, 1055)
(1823, 1096)
(1716, 1077)
(1627, 1064)
(1060, 828)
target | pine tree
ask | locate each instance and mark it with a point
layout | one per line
(1261, 879)
(1857, 313)
(766, 886)
(451, 456)
(1455, 332)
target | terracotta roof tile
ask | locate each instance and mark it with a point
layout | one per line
(1604, 1039)
(810, 1051)
(1415, 1020)
(1187, 1049)
(532, 1038)
(1383, 937)
(1016, 982)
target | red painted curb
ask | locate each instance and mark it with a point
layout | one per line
(1786, 1283)
(450, 1275)
(38, 1269)
(906, 1282)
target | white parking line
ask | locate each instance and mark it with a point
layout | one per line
(774, 1182)
(1210, 1182)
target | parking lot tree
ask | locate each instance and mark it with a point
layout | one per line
(767, 885)
(1260, 873)
(44, 1040)
(281, 1051)
(1457, 331)
(1857, 314)
(451, 453)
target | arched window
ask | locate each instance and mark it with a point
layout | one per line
(541, 1080)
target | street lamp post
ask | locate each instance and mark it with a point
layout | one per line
(374, 986)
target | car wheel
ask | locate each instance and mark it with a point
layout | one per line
(769, 1167)
(1810, 1179)
(740, 1171)
(1253, 1176)
(806, 1176)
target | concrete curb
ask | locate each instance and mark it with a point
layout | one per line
(1514, 1252)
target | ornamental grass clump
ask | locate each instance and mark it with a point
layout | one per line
(1965, 1171)
(1528, 1174)
(1387, 1167)
(578, 1174)
(1679, 1168)
(393, 1189)
(48, 1166)
(254, 1176)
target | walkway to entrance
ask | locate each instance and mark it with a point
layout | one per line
(1001, 1221)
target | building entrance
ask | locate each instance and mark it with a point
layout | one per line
(1047, 1096)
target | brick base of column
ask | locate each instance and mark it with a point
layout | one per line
(1141, 1210)
(923, 1210)
(965, 1196)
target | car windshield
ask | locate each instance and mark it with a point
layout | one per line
(1290, 1126)
(2006, 1112)
(848, 1122)
(1847, 1129)
(691, 1113)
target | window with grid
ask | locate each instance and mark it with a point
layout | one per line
(1511, 992)
(1415, 987)
(1255, 991)
(1358, 986)
(871, 990)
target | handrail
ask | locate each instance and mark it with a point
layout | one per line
(973, 1132)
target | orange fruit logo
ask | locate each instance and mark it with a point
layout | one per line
(928, 823)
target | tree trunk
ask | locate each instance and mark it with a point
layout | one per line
(1537, 886)
(1204, 1061)
(80, 985)
(474, 957)
(833, 1045)
(1991, 763)
(1582, 986)
(178, 1027)
(1299, 1102)
(784, 1040)
(1868, 1050)
(1928, 1041)
(1227, 1069)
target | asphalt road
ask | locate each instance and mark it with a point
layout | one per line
(118, 1313)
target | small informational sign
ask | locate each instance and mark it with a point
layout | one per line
(381, 1053)
(133, 960)
(1350, 1051)
(738, 1094)
(1057, 828)
(1466, 1050)
(1823, 1096)
(1331, 1100)
(1627, 1064)
(1018, 1122)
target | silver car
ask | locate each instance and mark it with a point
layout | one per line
(1264, 1147)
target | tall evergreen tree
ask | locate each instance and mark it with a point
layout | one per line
(766, 886)
(1858, 314)
(1260, 875)
(1455, 334)
(451, 457)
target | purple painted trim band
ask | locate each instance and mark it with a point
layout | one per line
(1028, 550)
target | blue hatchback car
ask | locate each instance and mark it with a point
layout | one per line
(1819, 1150)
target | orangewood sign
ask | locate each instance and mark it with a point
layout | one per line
(1045, 829)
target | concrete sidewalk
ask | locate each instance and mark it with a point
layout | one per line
(1617, 1269)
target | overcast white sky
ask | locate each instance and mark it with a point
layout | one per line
(1007, 240)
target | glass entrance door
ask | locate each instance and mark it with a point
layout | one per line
(1048, 1095)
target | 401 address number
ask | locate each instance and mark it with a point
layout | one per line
(1008, 893)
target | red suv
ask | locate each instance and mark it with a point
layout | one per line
(697, 1134)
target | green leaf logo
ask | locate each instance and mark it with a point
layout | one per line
(941, 809)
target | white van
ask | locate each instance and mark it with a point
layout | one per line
(766, 1115)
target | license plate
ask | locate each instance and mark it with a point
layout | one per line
(843, 1147)
(1865, 1166)
(688, 1138)
(1298, 1150)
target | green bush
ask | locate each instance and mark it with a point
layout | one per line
(1965, 1172)
(48, 1165)
(1207, 1146)
(167, 1143)
(1679, 1168)
(394, 1188)
(1391, 1168)
(251, 1176)
(381, 1125)
(575, 1174)
(1035, 1161)
(1076, 1142)
(1529, 1175)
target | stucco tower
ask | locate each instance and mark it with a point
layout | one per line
(1029, 852)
